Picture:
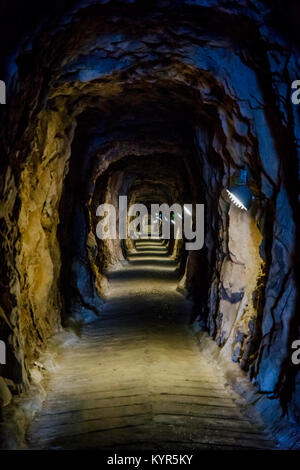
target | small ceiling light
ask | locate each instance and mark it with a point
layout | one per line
(238, 192)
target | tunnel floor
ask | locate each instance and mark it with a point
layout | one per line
(135, 379)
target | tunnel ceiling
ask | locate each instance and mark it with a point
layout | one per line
(159, 102)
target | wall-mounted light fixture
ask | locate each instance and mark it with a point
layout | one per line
(238, 192)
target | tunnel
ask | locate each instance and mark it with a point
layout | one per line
(186, 338)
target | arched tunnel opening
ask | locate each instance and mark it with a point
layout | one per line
(140, 328)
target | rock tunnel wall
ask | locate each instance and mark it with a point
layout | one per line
(184, 94)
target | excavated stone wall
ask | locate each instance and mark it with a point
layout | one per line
(201, 88)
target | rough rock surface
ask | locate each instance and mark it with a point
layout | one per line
(105, 95)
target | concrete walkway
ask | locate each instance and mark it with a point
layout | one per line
(135, 379)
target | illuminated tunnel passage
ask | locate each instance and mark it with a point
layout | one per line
(116, 342)
(136, 379)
